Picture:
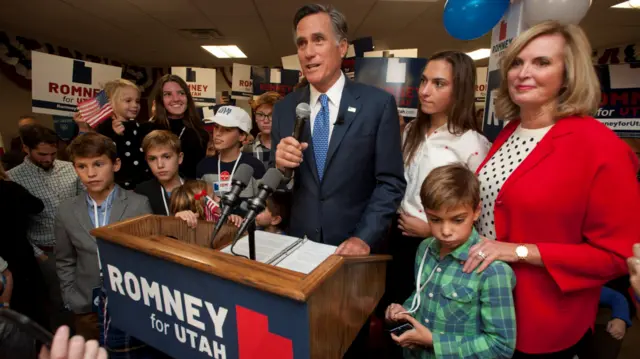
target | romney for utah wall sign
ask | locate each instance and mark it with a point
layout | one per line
(59, 83)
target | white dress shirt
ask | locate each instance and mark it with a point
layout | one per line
(439, 149)
(335, 95)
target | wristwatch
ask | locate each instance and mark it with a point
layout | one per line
(522, 252)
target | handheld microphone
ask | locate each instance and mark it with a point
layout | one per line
(303, 113)
(230, 200)
(267, 185)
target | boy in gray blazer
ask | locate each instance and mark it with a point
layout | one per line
(95, 161)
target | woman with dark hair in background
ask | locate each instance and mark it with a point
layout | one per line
(445, 131)
(175, 111)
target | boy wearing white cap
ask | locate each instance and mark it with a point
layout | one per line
(232, 125)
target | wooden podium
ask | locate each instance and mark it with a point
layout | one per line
(277, 311)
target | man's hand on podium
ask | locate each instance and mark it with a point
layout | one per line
(353, 246)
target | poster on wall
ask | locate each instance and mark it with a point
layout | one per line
(59, 83)
(620, 105)
(398, 76)
(201, 82)
(266, 79)
(502, 35)
(241, 85)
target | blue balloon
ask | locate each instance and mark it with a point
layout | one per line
(470, 19)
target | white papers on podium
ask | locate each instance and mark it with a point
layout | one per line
(296, 254)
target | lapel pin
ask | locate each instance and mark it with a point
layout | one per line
(351, 109)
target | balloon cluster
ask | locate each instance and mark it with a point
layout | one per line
(471, 19)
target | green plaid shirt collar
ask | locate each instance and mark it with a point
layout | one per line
(462, 252)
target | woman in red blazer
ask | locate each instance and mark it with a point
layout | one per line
(559, 192)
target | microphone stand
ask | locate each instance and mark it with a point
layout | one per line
(252, 240)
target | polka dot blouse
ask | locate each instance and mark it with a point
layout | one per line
(498, 169)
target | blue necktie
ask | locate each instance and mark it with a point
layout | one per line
(321, 135)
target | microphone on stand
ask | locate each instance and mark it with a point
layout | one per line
(239, 182)
(267, 185)
(303, 113)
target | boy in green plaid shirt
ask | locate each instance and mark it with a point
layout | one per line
(455, 314)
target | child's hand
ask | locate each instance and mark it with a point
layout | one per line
(75, 348)
(236, 220)
(617, 328)
(190, 217)
(390, 315)
(81, 122)
(118, 126)
(419, 336)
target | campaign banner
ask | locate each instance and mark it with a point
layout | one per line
(265, 79)
(481, 84)
(201, 82)
(241, 85)
(398, 76)
(620, 105)
(59, 83)
(502, 35)
(187, 313)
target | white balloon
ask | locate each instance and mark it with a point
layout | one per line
(564, 11)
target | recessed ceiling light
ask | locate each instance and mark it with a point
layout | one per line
(226, 52)
(631, 4)
(479, 54)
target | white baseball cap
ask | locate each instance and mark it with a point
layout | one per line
(232, 116)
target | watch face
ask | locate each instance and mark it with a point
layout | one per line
(522, 251)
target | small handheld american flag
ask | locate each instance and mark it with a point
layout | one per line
(210, 211)
(96, 110)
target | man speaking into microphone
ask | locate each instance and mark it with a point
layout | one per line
(348, 177)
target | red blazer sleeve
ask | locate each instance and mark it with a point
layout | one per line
(610, 226)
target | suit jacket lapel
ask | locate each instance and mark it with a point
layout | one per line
(349, 109)
(118, 206)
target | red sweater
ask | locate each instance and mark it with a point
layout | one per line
(576, 197)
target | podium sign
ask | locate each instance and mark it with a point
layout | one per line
(190, 314)
(169, 288)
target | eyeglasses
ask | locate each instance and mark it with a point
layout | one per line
(263, 116)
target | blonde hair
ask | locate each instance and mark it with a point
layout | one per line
(449, 186)
(113, 89)
(580, 94)
(157, 138)
(183, 198)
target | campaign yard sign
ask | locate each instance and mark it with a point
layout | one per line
(201, 82)
(59, 83)
(241, 85)
(620, 105)
(398, 76)
(191, 314)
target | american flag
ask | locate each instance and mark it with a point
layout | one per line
(211, 213)
(96, 110)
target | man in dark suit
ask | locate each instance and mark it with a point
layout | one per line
(349, 176)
